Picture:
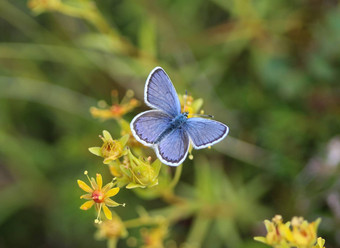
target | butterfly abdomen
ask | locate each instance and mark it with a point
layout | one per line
(176, 123)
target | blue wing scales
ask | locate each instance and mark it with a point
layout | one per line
(205, 132)
(148, 125)
(173, 148)
(160, 93)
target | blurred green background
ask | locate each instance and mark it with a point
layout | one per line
(269, 69)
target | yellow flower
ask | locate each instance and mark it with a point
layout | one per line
(304, 233)
(144, 174)
(98, 196)
(111, 229)
(297, 233)
(135, 172)
(320, 243)
(190, 105)
(116, 110)
(154, 238)
(273, 236)
(121, 171)
(193, 107)
(111, 149)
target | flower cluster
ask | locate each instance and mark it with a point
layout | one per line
(135, 172)
(127, 170)
(296, 233)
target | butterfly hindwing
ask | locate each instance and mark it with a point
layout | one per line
(173, 148)
(205, 132)
(160, 93)
(168, 130)
(148, 125)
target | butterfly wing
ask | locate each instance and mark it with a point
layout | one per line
(173, 148)
(147, 126)
(205, 132)
(160, 93)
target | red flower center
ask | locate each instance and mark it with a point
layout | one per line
(304, 233)
(98, 196)
(116, 109)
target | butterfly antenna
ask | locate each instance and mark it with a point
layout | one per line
(202, 115)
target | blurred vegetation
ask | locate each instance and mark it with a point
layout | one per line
(269, 69)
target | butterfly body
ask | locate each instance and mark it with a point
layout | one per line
(176, 123)
(168, 130)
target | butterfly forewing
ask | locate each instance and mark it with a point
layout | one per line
(160, 93)
(173, 148)
(205, 132)
(149, 125)
(165, 129)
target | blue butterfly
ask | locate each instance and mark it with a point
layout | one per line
(166, 128)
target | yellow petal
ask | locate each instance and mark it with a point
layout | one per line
(96, 151)
(111, 203)
(84, 186)
(321, 242)
(123, 140)
(107, 135)
(109, 160)
(286, 232)
(317, 223)
(87, 205)
(269, 225)
(107, 212)
(99, 181)
(86, 197)
(112, 192)
(134, 185)
(261, 239)
(197, 104)
(107, 187)
(93, 183)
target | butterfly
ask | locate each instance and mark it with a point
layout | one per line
(166, 128)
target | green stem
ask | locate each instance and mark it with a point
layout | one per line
(168, 193)
(199, 230)
(142, 221)
(112, 243)
(176, 177)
